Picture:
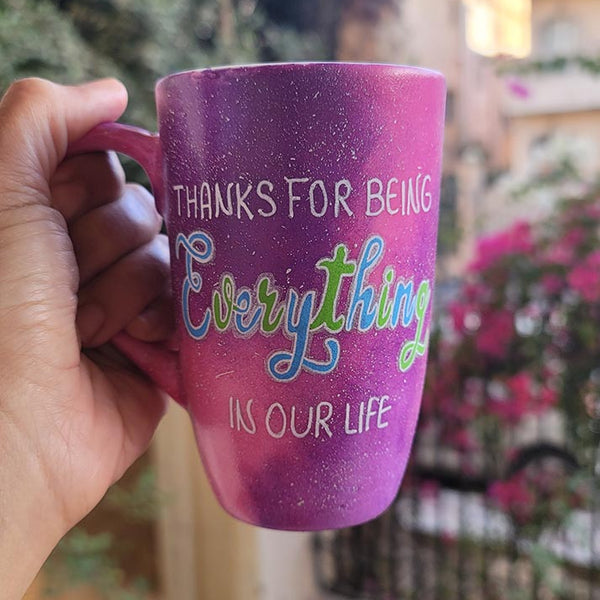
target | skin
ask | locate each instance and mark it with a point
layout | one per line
(81, 258)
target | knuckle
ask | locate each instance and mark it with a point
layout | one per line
(161, 245)
(29, 89)
(140, 192)
(141, 197)
(157, 252)
(26, 114)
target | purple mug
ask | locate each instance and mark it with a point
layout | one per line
(301, 204)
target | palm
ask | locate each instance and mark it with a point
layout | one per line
(112, 423)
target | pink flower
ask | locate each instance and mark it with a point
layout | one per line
(465, 410)
(518, 88)
(461, 440)
(518, 400)
(490, 249)
(585, 277)
(523, 396)
(495, 334)
(575, 236)
(593, 211)
(476, 292)
(465, 317)
(548, 398)
(521, 385)
(429, 489)
(552, 283)
(562, 253)
(458, 312)
(514, 496)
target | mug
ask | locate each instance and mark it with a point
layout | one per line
(301, 205)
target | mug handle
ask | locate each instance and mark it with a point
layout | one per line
(156, 360)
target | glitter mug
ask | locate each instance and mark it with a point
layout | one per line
(301, 204)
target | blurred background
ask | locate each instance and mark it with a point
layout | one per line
(501, 497)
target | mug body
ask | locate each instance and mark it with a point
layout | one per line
(302, 207)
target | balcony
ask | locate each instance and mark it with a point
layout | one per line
(534, 94)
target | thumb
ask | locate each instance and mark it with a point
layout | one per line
(38, 121)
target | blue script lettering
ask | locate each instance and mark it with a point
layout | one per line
(285, 366)
(193, 279)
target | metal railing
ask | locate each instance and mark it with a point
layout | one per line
(450, 534)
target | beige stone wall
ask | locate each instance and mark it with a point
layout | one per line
(568, 101)
(584, 14)
(525, 131)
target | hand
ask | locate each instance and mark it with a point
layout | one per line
(81, 258)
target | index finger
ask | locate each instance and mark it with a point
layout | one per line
(85, 182)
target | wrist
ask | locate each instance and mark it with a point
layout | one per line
(30, 525)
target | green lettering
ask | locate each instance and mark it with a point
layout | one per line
(384, 313)
(228, 287)
(418, 346)
(336, 268)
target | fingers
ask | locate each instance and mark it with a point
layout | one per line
(38, 120)
(156, 323)
(113, 224)
(116, 297)
(123, 266)
(109, 232)
(84, 182)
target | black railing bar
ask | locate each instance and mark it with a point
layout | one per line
(416, 574)
(511, 550)
(393, 563)
(595, 526)
(461, 535)
(437, 547)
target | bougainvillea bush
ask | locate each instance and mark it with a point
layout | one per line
(518, 350)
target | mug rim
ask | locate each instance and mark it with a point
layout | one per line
(424, 72)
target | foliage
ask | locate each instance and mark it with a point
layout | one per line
(540, 495)
(521, 341)
(36, 40)
(83, 558)
(139, 41)
(557, 64)
(140, 502)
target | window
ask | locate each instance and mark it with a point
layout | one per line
(499, 27)
(558, 37)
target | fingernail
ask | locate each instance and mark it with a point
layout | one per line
(147, 325)
(102, 83)
(90, 319)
